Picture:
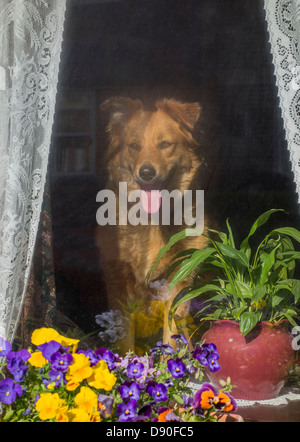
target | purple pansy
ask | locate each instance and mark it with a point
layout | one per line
(127, 411)
(207, 356)
(16, 364)
(159, 392)
(135, 369)
(180, 339)
(56, 376)
(9, 391)
(130, 390)
(60, 361)
(108, 356)
(5, 347)
(213, 364)
(49, 348)
(165, 349)
(176, 367)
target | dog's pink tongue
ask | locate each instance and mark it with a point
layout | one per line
(151, 200)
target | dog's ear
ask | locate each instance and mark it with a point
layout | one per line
(120, 109)
(184, 113)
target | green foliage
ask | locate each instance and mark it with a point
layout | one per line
(251, 284)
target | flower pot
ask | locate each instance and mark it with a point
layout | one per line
(258, 364)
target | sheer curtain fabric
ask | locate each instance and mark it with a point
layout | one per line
(283, 22)
(30, 45)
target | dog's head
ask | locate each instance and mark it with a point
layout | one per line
(152, 150)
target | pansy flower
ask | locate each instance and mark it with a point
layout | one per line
(16, 364)
(49, 405)
(167, 415)
(9, 391)
(225, 402)
(61, 361)
(101, 378)
(213, 364)
(165, 349)
(180, 339)
(205, 397)
(108, 356)
(176, 367)
(127, 411)
(5, 347)
(49, 348)
(159, 392)
(135, 369)
(56, 377)
(207, 356)
(130, 390)
(78, 371)
(91, 355)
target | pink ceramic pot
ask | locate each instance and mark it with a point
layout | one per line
(258, 367)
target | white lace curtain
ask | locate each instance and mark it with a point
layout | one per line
(283, 20)
(30, 46)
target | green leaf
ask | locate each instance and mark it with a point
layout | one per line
(296, 290)
(248, 321)
(177, 399)
(245, 289)
(179, 299)
(190, 264)
(231, 238)
(232, 253)
(267, 260)
(289, 231)
(222, 235)
(259, 292)
(258, 223)
(277, 299)
(173, 240)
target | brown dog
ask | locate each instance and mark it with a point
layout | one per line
(150, 151)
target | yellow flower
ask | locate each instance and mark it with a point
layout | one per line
(68, 342)
(62, 414)
(79, 415)
(49, 406)
(78, 371)
(37, 360)
(43, 335)
(86, 399)
(101, 377)
(95, 417)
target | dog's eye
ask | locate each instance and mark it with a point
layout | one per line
(134, 146)
(165, 144)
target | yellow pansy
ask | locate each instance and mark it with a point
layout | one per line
(37, 360)
(78, 371)
(101, 377)
(79, 415)
(62, 414)
(87, 400)
(43, 335)
(49, 406)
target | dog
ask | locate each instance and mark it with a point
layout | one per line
(149, 150)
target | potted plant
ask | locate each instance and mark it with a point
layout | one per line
(253, 298)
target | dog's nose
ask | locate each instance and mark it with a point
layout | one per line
(147, 172)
